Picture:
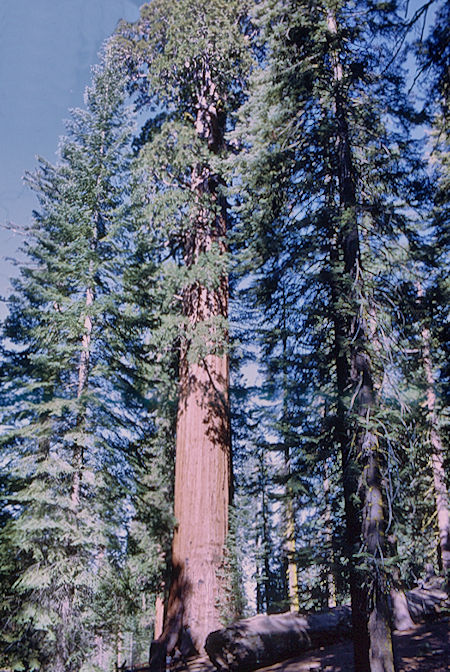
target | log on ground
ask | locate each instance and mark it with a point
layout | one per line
(266, 639)
(429, 600)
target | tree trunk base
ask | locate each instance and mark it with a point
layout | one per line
(158, 656)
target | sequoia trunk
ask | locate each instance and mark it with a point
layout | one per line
(203, 454)
(202, 481)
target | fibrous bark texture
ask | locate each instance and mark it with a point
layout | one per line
(203, 454)
(202, 479)
(263, 640)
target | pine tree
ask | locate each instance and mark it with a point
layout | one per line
(70, 430)
(325, 183)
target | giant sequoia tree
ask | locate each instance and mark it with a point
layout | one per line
(115, 400)
(188, 59)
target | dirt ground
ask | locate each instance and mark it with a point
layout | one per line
(422, 649)
(425, 648)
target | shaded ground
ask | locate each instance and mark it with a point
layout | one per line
(425, 648)
(422, 649)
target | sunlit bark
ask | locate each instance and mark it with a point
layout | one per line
(159, 616)
(330, 577)
(203, 455)
(292, 573)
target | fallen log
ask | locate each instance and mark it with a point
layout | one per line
(263, 640)
(428, 600)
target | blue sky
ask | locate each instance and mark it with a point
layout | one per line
(47, 48)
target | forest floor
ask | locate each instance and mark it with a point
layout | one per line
(424, 648)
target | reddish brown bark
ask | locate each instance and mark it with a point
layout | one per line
(203, 454)
(202, 481)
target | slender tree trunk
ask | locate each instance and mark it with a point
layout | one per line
(358, 593)
(83, 374)
(264, 574)
(292, 574)
(361, 473)
(259, 579)
(203, 451)
(83, 367)
(437, 453)
(99, 655)
(330, 576)
(159, 616)
(119, 648)
(381, 652)
(267, 582)
(342, 324)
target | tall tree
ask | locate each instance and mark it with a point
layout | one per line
(433, 294)
(190, 57)
(324, 187)
(67, 438)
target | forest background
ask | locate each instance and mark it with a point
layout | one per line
(249, 187)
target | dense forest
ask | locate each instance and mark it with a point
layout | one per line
(224, 369)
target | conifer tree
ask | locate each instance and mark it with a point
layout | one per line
(324, 179)
(189, 58)
(433, 293)
(69, 431)
(115, 370)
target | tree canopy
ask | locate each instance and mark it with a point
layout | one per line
(225, 363)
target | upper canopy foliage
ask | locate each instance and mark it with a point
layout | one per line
(174, 46)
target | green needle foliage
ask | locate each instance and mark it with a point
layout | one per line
(187, 62)
(78, 413)
(275, 209)
(327, 184)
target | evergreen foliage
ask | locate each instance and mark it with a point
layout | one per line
(78, 414)
(325, 186)
(275, 211)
